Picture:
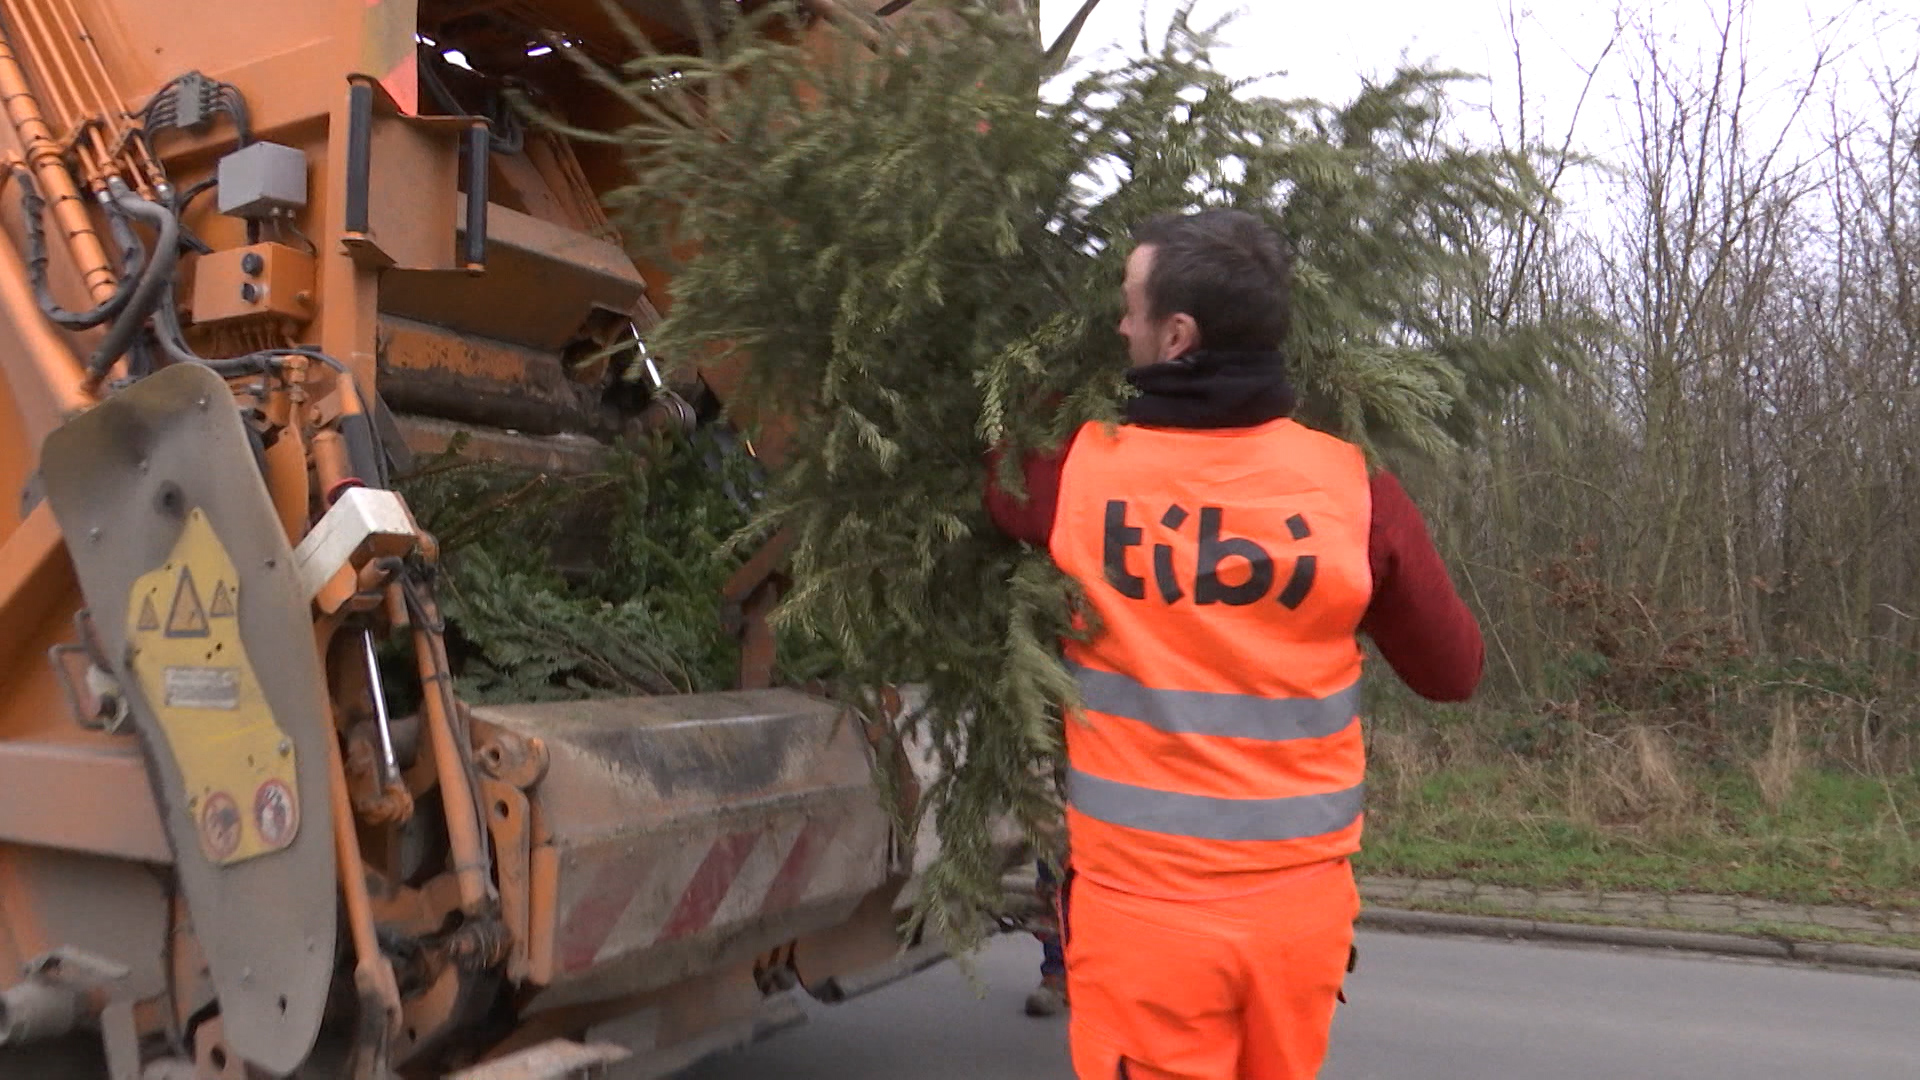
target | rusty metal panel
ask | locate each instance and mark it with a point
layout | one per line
(543, 283)
(428, 370)
(414, 167)
(689, 831)
(564, 455)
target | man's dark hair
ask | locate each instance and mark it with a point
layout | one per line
(1225, 268)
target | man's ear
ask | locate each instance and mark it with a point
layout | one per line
(1179, 336)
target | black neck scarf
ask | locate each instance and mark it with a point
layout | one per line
(1211, 389)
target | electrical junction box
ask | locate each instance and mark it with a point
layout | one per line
(258, 282)
(262, 181)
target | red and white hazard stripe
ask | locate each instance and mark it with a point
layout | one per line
(656, 896)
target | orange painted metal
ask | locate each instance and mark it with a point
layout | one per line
(420, 911)
(373, 975)
(44, 369)
(387, 52)
(44, 156)
(429, 1012)
(278, 289)
(101, 85)
(507, 814)
(408, 346)
(457, 795)
(119, 822)
(34, 572)
(67, 72)
(286, 463)
(330, 463)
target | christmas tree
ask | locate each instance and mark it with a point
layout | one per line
(918, 247)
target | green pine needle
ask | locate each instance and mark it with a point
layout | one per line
(922, 256)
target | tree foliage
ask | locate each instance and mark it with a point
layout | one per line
(638, 614)
(917, 248)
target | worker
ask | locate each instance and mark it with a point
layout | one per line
(1230, 557)
(1050, 997)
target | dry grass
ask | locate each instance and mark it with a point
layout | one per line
(1400, 760)
(1525, 799)
(1633, 776)
(1777, 771)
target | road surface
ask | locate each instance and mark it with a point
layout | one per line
(1422, 1008)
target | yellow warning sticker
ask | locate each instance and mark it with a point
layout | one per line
(238, 769)
(221, 606)
(186, 618)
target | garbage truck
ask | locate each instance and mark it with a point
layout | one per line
(256, 257)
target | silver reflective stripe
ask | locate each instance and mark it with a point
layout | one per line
(1205, 818)
(1202, 712)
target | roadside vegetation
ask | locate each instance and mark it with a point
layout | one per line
(1509, 798)
(1693, 548)
(1701, 585)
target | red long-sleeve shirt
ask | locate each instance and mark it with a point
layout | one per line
(1416, 618)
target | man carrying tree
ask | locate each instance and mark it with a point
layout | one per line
(1230, 557)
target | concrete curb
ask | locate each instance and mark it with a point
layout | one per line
(1822, 953)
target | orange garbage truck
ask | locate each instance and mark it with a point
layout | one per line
(254, 255)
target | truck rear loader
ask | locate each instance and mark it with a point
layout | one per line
(253, 258)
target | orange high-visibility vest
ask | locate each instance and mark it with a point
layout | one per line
(1228, 572)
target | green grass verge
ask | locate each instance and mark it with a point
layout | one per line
(1837, 838)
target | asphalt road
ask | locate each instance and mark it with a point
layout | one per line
(1421, 1008)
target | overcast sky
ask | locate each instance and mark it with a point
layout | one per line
(1324, 48)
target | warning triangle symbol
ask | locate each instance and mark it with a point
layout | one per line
(186, 618)
(221, 606)
(149, 618)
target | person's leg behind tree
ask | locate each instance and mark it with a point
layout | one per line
(1050, 997)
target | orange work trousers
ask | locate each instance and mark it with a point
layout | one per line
(1235, 989)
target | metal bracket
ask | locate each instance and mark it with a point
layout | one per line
(87, 679)
(363, 522)
(92, 694)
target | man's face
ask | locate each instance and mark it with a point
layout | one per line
(1148, 341)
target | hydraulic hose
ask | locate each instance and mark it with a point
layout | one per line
(153, 296)
(34, 207)
(152, 285)
(173, 342)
